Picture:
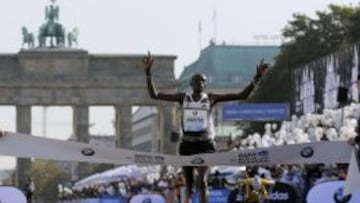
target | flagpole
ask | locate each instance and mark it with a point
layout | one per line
(215, 26)
(200, 37)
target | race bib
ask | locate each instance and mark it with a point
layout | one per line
(195, 120)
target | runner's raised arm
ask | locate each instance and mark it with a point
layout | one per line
(177, 97)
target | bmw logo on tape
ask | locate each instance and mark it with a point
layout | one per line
(198, 160)
(307, 152)
(88, 151)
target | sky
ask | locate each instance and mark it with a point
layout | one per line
(172, 27)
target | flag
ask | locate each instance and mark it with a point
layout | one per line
(352, 183)
(214, 15)
(214, 24)
(200, 26)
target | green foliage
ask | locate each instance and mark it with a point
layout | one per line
(98, 168)
(47, 175)
(10, 179)
(278, 90)
(307, 39)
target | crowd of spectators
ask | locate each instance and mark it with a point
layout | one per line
(301, 178)
(168, 185)
(332, 125)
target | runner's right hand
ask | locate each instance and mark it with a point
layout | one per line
(148, 61)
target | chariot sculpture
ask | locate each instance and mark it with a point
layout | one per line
(51, 33)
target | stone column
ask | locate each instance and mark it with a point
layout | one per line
(23, 125)
(123, 126)
(81, 123)
(166, 125)
(159, 133)
(81, 133)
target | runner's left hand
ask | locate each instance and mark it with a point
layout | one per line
(261, 69)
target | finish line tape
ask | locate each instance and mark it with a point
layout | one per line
(28, 146)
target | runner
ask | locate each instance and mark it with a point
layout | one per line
(197, 124)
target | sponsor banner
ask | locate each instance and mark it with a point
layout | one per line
(149, 159)
(280, 193)
(255, 112)
(236, 196)
(89, 200)
(113, 200)
(11, 195)
(27, 146)
(97, 200)
(308, 153)
(214, 196)
(147, 198)
(284, 193)
(331, 192)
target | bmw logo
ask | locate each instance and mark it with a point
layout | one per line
(339, 196)
(198, 160)
(307, 152)
(88, 151)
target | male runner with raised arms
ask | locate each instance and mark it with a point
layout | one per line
(197, 125)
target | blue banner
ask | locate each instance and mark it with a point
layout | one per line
(255, 112)
(214, 196)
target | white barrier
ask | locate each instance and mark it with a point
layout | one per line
(326, 152)
(11, 195)
(331, 192)
(147, 198)
(26, 146)
(352, 183)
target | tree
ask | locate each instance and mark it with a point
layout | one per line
(47, 175)
(307, 39)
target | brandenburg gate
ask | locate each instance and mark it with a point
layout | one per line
(53, 74)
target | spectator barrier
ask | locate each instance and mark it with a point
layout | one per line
(331, 192)
(11, 195)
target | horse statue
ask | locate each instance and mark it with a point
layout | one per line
(28, 38)
(51, 28)
(72, 37)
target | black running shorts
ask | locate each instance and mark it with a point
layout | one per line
(198, 147)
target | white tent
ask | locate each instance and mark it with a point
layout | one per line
(90, 180)
(120, 173)
(116, 174)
